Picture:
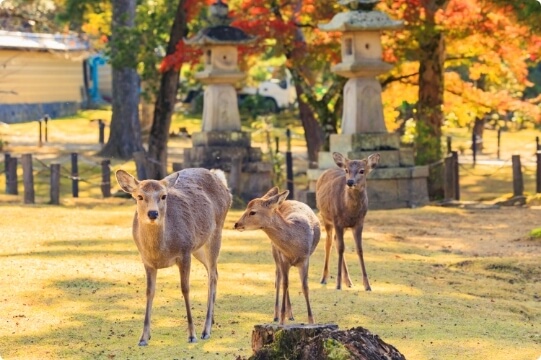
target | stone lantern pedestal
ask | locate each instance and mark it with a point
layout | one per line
(221, 144)
(397, 182)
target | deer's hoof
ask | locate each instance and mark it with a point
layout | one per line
(275, 319)
(143, 342)
(205, 336)
(192, 339)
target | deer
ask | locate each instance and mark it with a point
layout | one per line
(342, 200)
(294, 231)
(177, 217)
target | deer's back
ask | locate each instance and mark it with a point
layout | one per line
(304, 223)
(331, 200)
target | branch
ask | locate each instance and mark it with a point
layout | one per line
(391, 79)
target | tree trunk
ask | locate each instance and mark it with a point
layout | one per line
(430, 105)
(312, 129)
(125, 133)
(478, 129)
(165, 103)
(324, 342)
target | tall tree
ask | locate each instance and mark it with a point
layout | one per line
(125, 131)
(289, 29)
(166, 98)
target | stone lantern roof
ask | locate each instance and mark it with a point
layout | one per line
(360, 17)
(220, 32)
(220, 35)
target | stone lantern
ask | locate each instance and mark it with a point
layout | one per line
(219, 42)
(361, 28)
(397, 182)
(222, 144)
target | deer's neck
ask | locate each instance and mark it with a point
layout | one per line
(151, 238)
(354, 200)
(283, 235)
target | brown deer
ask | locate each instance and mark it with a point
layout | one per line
(179, 216)
(294, 231)
(343, 203)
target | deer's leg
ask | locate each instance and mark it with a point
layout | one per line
(210, 263)
(151, 290)
(346, 280)
(340, 249)
(284, 266)
(277, 282)
(358, 235)
(184, 268)
(289, 308)
(328, 247)
(303, 272)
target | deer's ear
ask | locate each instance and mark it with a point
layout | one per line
(271, 192)
(127, 182)
(282, 196)
(339, 159)
(373, 161)
(275, 200)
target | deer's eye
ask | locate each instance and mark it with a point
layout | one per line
(361, 171)
(164, 196)
(251, 213)
(139, 197)
(347, 171)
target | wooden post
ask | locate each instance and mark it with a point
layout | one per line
(101, 126)
(289, 166)
(106, 178)
(538, 177)
(7, 156)
(46, 120)
(140, 164)
(74, 176)
(449, 178)
(40, 143)
(11, 176)
(28, 179)
(454, 154)
(474, 147)
(449, 145)
(499, 141)
(277, 143)
(55, 184)
(518, 183)
(537, 145)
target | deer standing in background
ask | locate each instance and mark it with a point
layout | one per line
(179, 216)
(342, 201)
(294, 231)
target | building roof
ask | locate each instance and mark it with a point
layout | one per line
(40, 41)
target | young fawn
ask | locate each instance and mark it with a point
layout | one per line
(343, 203)
(294, 231)
(179, 216)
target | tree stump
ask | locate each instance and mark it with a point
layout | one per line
(325, 341)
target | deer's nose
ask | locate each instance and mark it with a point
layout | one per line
(350, 182)
(152, 215)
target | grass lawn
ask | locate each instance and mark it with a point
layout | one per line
(448, 283)
(74, 286)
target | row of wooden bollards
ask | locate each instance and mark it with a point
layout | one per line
(10, 164)
(451, 176)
